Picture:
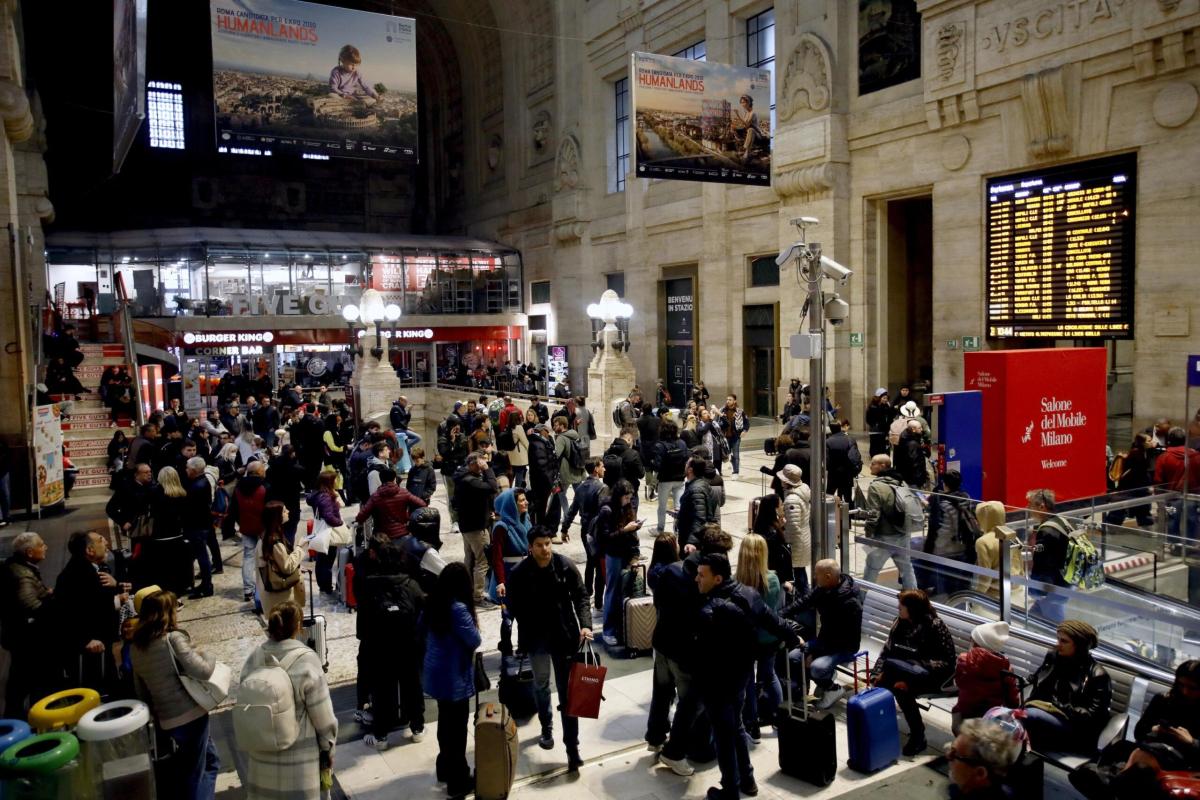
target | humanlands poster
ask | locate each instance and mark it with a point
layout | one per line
(701, 121)
(326, 81)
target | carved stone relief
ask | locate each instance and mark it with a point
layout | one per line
(806, 82)
(541, 131)
(566, 166)
(1047, 116)
(948, 54)
(1175, 104)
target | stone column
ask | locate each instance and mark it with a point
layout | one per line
(375, 382)
(611, 376)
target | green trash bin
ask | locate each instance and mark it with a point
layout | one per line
(43, 767)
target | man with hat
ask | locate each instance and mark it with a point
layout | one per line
(879, 420)
(797, 514)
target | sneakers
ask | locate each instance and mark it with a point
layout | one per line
(831, 696)
(379, 744)
(755, 733)
(749, 788)
(915, 746)
(417, 735)
(546, 740)
(679, 766)
(574, 760)
(248, 597)
(610, 641)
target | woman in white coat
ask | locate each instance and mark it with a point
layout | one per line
(797, 512)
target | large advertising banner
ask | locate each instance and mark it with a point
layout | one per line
(48, 454)
(557, 365)
(1044, 421)
(701, 121)
(189, 378)
(129, 75)
(316, 79)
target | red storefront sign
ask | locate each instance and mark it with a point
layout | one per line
(414, 335)
(1044, 421)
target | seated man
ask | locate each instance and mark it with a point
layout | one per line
(1069, 700)
(917, 659)
(839, 608)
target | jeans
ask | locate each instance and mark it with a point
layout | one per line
(453, 721)
(735, 453)
(1052, 607)
(917, 681)
(878, 556)
(541, 662)
(5, 495)
(1044, 728)
(766, 681)
(1175, 518)
(519, 474)
(675, 490)
(249, 557)
(724, 708)
(198, 540)
(672, 682)
(195, 764)
(613, 567)
(413, 439)
(474, 556)
(449, 481)
(822, 667)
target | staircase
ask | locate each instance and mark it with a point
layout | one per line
(87, 432)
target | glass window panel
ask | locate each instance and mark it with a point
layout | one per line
(621, 95)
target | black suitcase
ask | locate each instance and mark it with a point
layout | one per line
(516, 676)
(807, 743)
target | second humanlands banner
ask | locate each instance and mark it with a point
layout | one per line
(701, 121)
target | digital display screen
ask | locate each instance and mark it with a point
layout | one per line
(1060, 251)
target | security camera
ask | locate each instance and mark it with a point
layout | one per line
(834, 270)
(836, 310)
(790, 252)
(801, 222)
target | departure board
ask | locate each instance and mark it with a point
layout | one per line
(1060, 251)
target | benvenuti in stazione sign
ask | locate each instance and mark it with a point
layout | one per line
(1045, 414)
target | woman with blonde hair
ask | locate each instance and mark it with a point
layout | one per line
(296, 771)
(162, 652)
(752, 572)
(991, 516)
(165, 557)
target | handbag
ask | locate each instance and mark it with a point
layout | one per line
(482, 681)
(321, 534)
(143, 528)
(585, 689)
(273, 580)
(208, 693)
(340, 536)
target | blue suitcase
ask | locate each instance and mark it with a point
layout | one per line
(872, 729)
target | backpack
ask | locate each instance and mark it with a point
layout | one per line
(1083, 567)
(264, 714)
(220, 505)
(907, 514)
(968, 529)
(505, 440)
(1117, 470)
(494, 408)
(575, 455)
(675, 458)
(614, 466)
(395, 606)
(616, 414)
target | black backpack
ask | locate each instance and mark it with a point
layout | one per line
(505, 440)
(614, 467)
(968, 529)
(675, 458)
(575, 455)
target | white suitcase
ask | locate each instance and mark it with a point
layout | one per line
(312, 631)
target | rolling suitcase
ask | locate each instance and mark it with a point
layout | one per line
(516, 676)
(640, 619)
(871, 726)
(753, 512)
(495, 751)
(312, 629)
(345, 556)
(807, 742)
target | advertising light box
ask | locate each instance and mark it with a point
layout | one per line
(320, 80)
(1044, 421)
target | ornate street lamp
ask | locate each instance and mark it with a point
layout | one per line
(609, 310)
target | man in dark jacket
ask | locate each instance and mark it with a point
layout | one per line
(838, 605)
(1049, 540)
(545, 594)
(800, 454)
(669, 457)
(389, 507)
(544, 508)
(677, 600)
(697, 506)
(845, 462)
(649, 427)
(144, 446)
(908, 456)
(621, 460)
(131, 498)
(422, 478)
(198, 526)
(726, 638)
(586, 503)
(401, 417)
(452, 450)
(475, 490)
(246, 505)
(87, 600)
(266, 420)
(26, 623)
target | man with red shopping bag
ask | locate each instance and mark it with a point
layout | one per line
(726, 638)
(545, 595)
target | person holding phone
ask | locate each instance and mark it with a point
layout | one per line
(617, 534)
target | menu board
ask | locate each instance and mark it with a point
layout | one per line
(1060, 251)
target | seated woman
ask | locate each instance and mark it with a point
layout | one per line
(918, 658)
(982, 675)
(1069, 700)
(1167, 737)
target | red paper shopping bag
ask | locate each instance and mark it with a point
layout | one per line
(586, 687)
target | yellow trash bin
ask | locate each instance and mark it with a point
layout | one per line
(62, 710)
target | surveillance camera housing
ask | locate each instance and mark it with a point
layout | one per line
(836, 310)
(788, 254)
(802, 221)
(834, 270)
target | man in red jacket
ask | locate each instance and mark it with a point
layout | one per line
(389, 507)
(1178, 469)
(246, 510)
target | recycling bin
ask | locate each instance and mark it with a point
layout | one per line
(61, 710)
(43, 767)
(13, 731)
(116, 742)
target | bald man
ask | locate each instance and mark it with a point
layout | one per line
(836, 601)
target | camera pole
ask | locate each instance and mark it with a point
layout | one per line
(810, 264)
